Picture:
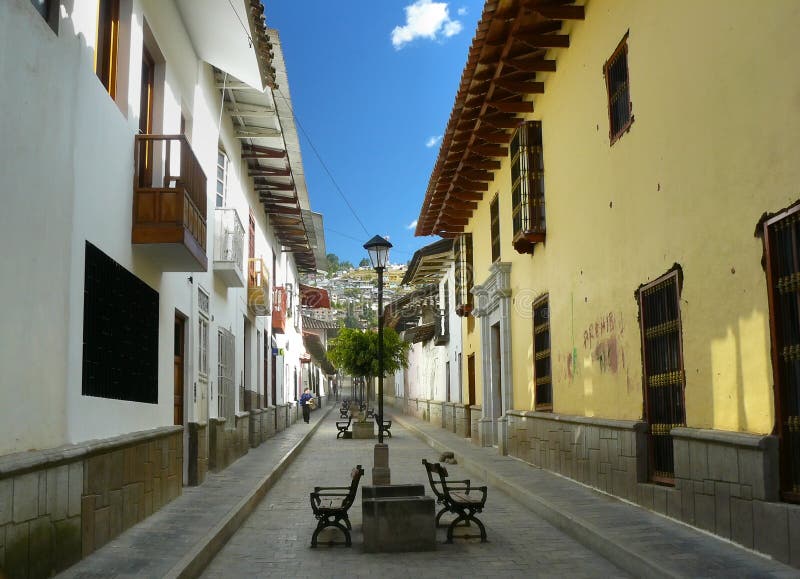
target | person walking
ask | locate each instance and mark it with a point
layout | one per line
(305, 400)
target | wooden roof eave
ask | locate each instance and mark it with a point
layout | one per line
(492, 51)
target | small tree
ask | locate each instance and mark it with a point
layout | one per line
(356, 352)
(363, 263)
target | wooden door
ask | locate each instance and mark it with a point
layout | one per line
(179, 357)
(471, 378)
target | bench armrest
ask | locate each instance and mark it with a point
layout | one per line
(318, 489)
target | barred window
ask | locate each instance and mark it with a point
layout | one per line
(781, 236)
(527, 187)
(463, 274)
(620, 114)
(542, 373)
(664, 378)
(120, 332)
(494, 212)
(226, 394)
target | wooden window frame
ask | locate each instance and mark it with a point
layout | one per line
(50, 10)
(621, 50)
(221, 197)
(107, 48)
(784, 425)
(543, 353)
(464, 300)
(656, 476)
(527, 187)
(494, 228)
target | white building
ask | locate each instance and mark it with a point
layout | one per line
(425, 319)
(155, 221)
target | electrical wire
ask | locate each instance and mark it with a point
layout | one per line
(322, 162)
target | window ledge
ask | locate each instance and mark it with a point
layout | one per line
(525, 241)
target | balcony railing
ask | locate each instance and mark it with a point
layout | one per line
(442, 330)
(228, 247)
(279, 303)
(258, 301)
(169, 202)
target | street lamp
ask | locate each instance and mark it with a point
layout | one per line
(378, 249)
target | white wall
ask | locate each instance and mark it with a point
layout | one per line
(67, 167)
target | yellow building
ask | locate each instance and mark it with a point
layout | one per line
(603, 172)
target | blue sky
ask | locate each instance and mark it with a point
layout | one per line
(372, 84)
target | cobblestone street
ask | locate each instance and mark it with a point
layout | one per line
(274, 541)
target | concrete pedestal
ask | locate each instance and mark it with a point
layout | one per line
(363, 429)
(397, 518)
(381, 475)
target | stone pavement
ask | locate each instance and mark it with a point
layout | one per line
(539, 524)
(180, 539)
(275, 539)
(642, 542)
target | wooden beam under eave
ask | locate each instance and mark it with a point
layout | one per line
(545, 40)
(465, 195)
(521, 87)
(490, 150)
(470, 185)
(474, 102)
(556, 12)
(531, 64)
(486, 164)
(267, 172)
(474, 175)
(493, 137)
(453, 203)
(273, 187)
(511, 106)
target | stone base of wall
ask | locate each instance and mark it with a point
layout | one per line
(226, 443)
(282, 413)
(475, 413)
(254, 427)
(59, 505)
(269, 422)
(725, 482)
(435, 409)
(462, 426)
(198, 453)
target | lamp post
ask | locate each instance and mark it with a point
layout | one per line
(378, 249)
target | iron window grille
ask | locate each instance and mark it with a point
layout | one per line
(494, 213)
(463, 274)
(120, 332)
(782, 242)
(663, 373)
(620, 110)
(542, 371)
(202, 337)
(225, 377)
(527, 187)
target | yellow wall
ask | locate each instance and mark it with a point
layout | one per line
(716, 101)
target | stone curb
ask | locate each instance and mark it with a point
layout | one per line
(193, 564)
(587, 534)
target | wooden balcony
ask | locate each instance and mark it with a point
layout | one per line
(279, 304)
(258, 301)
(169, 203)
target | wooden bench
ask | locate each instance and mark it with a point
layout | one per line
(330, 506)
(342, 427)
(458, 497)
(386, 426)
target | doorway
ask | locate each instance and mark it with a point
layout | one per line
(179, 356)
(496, 395)
(247, 386)
(471, 379)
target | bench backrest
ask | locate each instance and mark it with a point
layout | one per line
(355, 477)
(435, 468)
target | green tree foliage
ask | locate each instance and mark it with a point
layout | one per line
(363, 263)
(333, 262)
(345, 265)
(356, 352)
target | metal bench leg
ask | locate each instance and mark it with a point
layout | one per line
(460, 517)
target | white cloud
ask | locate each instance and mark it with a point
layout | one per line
(425, 19)
(461, 11)
(433, 141)
(412, 225)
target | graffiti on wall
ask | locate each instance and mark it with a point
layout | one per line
(602, 339)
